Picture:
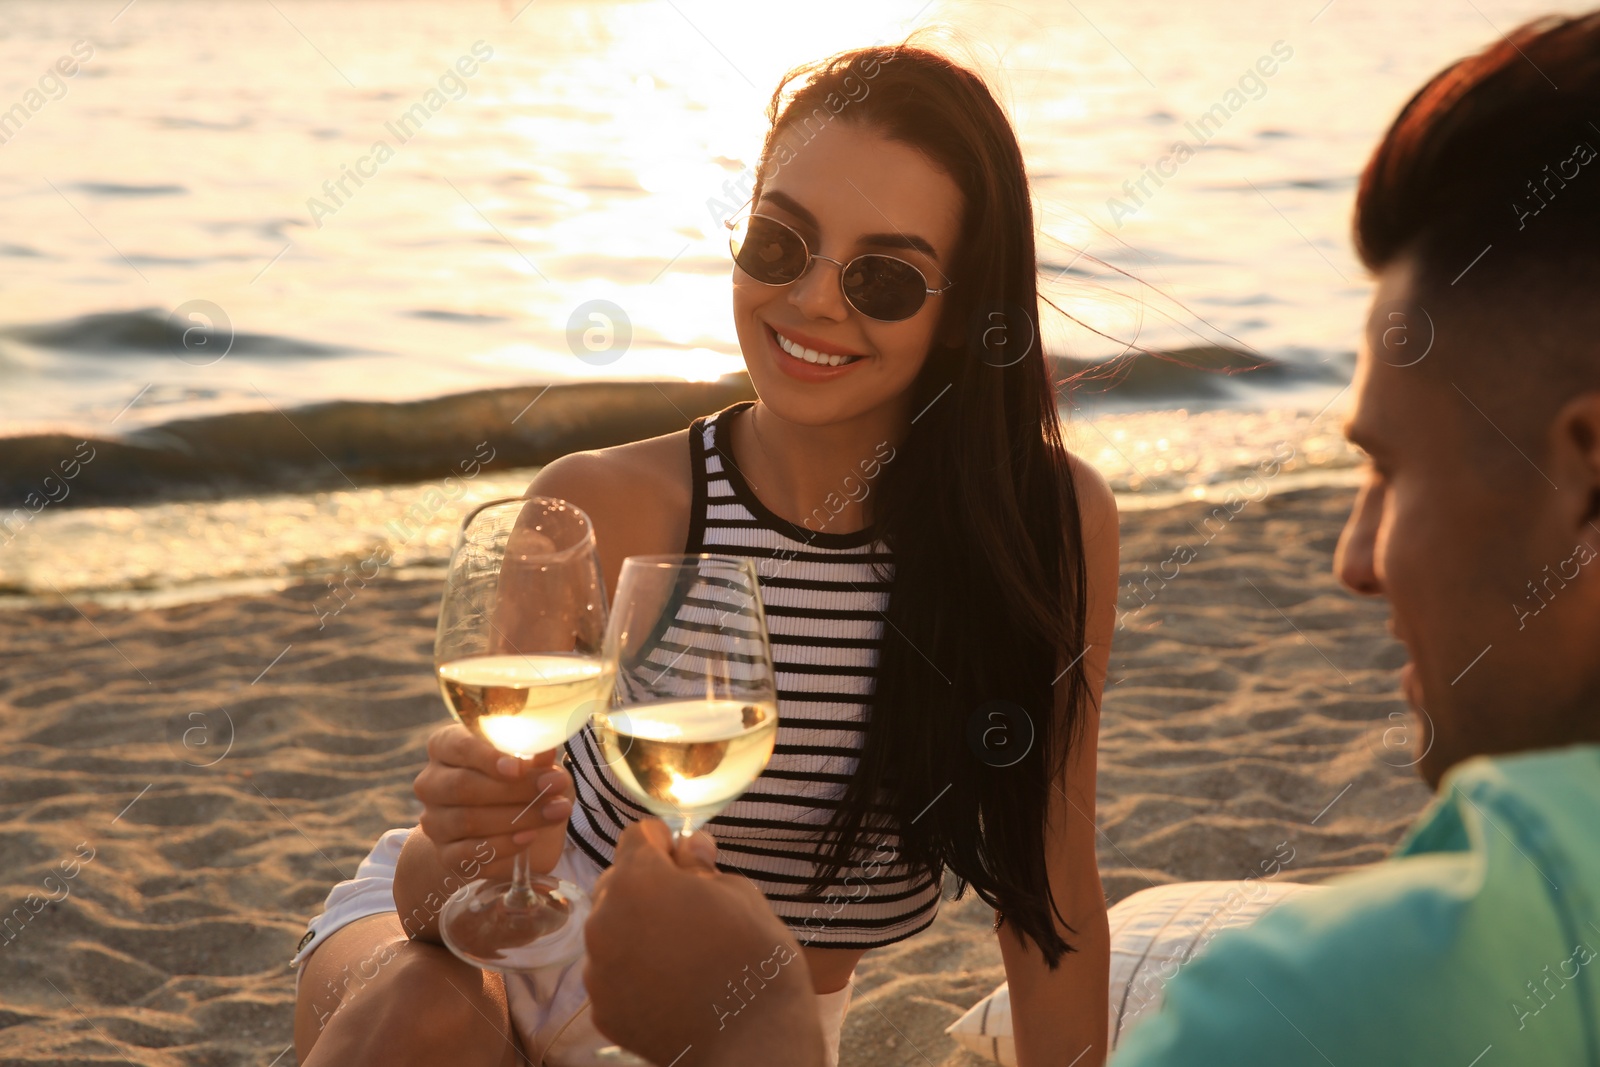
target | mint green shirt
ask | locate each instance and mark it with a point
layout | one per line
(1477, 944)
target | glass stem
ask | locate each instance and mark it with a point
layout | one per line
(520, 893)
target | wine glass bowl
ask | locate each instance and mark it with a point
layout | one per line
(694, 712)
(523, 705)
(520, 659)
(685, 764)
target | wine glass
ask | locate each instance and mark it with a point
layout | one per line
(521, 662)
(694, 712)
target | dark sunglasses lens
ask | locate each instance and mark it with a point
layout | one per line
(768, 251)
(882, 287)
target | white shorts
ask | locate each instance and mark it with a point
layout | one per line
(370, 892)
(549, 1005)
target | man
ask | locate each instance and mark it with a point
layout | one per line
(1477, 399)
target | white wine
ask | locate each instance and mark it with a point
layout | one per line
(524, 705)
(688, 757)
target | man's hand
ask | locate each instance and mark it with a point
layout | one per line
(472, 793)
(687, 962)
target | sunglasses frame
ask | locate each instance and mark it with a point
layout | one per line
(733, 224)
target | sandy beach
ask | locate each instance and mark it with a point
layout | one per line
(206, 772)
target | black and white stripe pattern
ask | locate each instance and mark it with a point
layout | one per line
(824, 595)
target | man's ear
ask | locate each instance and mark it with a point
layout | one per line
(1577, 458)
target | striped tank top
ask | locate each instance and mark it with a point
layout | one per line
(824, 595)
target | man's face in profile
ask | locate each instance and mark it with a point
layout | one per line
(1451, 525)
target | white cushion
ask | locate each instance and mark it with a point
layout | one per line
(1154, 932)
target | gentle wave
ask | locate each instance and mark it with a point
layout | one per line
(148, 331)
(120, 189)
(350, 443)
(160, 553)
(1203, 375)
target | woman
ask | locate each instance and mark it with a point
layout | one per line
(939, 575)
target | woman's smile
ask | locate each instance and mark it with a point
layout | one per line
(806, 358)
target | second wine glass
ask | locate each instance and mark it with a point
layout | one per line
(694, 714)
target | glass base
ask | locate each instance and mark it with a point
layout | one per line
(487, 924)
(616, 1054)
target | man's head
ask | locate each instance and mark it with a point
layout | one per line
(1477, 396)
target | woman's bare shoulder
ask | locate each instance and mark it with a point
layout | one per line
(1100, 543)
(637, 494)
(1097, 505)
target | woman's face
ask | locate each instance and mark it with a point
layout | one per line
(848, 190)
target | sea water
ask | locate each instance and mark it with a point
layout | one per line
(385, 216)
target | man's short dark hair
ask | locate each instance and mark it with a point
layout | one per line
(1500, 147)
(1488, 181)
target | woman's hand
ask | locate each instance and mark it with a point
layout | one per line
(472, 793)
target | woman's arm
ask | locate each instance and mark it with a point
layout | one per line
(1059, 1017)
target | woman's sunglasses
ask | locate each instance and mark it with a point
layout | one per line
(880, 287)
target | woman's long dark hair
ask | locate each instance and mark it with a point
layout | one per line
(979, 511)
